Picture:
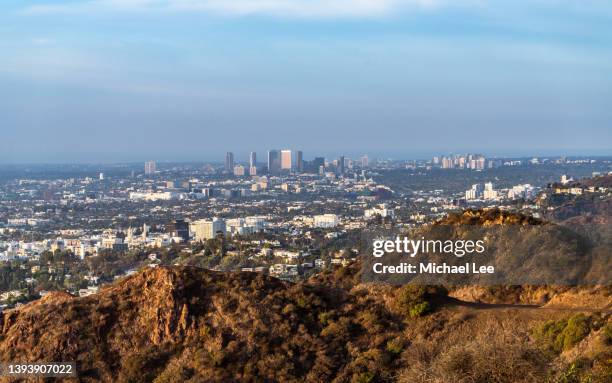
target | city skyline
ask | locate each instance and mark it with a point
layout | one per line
(108, 81)
(243, 157)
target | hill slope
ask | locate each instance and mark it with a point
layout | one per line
(189, 324)
(198, 323)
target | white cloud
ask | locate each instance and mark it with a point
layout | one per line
(277, 8)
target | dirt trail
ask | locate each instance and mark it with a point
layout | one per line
(449, 301)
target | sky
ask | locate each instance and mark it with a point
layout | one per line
(188, 80)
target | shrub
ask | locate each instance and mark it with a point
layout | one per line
(370, 321)
(419, 309)
(577, 372)
(324, 318)
(288, 309)
(364, 377)
(302, 302)
(395, 346)
(564, 334)
(570, 375)
(578, 327)
(412, 300)
(337, 329)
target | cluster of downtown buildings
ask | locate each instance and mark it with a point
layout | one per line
(466, 161)
(287, 161)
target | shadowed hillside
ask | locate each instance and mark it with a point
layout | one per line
(523, 250)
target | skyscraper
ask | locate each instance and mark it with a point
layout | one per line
(341, 165)
(252, 159)
(273, 161)
(447, 163)
(299, 161)
(365, 161)
(239, 170)
(285, 159)
(150, 167)
(317, 163)
(229, 162)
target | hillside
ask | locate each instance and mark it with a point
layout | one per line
(585, 209)
(487, 218)
(189, 324)
(600, 181)
(522, 250)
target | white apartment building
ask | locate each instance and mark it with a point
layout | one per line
(381, 210)
(489, 192)
(204, 229)
(521, 191)
(326, 221)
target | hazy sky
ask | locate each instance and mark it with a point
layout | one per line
(129, 80)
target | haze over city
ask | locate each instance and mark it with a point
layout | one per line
(108, 81)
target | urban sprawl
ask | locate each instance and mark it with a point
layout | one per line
(75, 227)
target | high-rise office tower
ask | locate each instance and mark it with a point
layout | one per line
(299, 161)
(480, 162)
(447, 163)
(229, 162)
(285, 159)
(273, 161)
(317, 163)
(239, 170)
(365, 161)
(341, 165)
(150, 167)
(252, 159)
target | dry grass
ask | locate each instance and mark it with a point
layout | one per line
(478, 348)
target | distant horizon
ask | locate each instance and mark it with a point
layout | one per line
(372, 155)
